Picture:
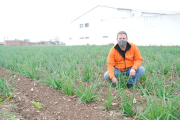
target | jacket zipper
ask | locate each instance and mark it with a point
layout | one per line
(125, 61)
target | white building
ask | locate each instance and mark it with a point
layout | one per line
(101, 24)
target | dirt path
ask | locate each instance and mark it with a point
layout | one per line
(57, 106)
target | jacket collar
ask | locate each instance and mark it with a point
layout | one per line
(121, 52)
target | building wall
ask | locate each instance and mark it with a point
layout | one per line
(155, 30)
(149, 30)
(14, 43)
(149, 14)
(105, 23)
(98, 29)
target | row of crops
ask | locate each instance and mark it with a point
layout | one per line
(78, 70)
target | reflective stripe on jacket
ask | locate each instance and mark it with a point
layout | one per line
(116, 58)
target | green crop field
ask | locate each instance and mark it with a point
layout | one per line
(69, 68)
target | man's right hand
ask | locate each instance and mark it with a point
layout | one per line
(114, 80)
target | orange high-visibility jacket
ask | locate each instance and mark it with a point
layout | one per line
(116, 58)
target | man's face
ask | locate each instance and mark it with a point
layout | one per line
(122, 37)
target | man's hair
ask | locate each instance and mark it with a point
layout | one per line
(122, 32)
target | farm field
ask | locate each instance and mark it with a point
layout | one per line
(66, 82)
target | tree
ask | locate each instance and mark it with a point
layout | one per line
(27, 40)
(57, 40)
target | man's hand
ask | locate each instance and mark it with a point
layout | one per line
(114, 80)
(132, 72)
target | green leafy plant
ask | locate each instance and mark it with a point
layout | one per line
(10, 95)
(37, 104)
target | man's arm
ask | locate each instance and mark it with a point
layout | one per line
(111, 63)
(137, 58)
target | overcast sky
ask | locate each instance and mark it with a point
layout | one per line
(44, 19)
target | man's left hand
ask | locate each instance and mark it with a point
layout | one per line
(132, 72)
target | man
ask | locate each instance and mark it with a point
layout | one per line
(124, 57)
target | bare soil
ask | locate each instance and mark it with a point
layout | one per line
(57, 106)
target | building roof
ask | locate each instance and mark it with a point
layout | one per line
(156, 11)
(13, 40)
(100, 6)
(137, 10)
(84, 13)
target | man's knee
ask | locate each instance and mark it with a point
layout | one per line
(106, 75)
(141, 69)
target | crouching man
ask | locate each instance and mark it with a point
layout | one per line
(124, 57)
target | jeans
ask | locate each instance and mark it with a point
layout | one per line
(133, 79)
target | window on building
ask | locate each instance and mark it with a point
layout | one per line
(105, 36)
(87, 25)
(86, 37)
(81, 25)
(81, 38)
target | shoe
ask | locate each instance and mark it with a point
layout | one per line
(129, 86)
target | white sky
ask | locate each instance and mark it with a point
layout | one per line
(44, 19)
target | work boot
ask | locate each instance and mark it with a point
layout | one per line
(129, 86)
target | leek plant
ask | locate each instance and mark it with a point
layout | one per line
(67, 85)
(5, 86)
(110, 98)
(177, 67)
(56, 82)
(159, 85)
(128, 107)
(169, 91)
(87, 93)
(159, 109)
(122, 81)
(88, 73)
(60, 70)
